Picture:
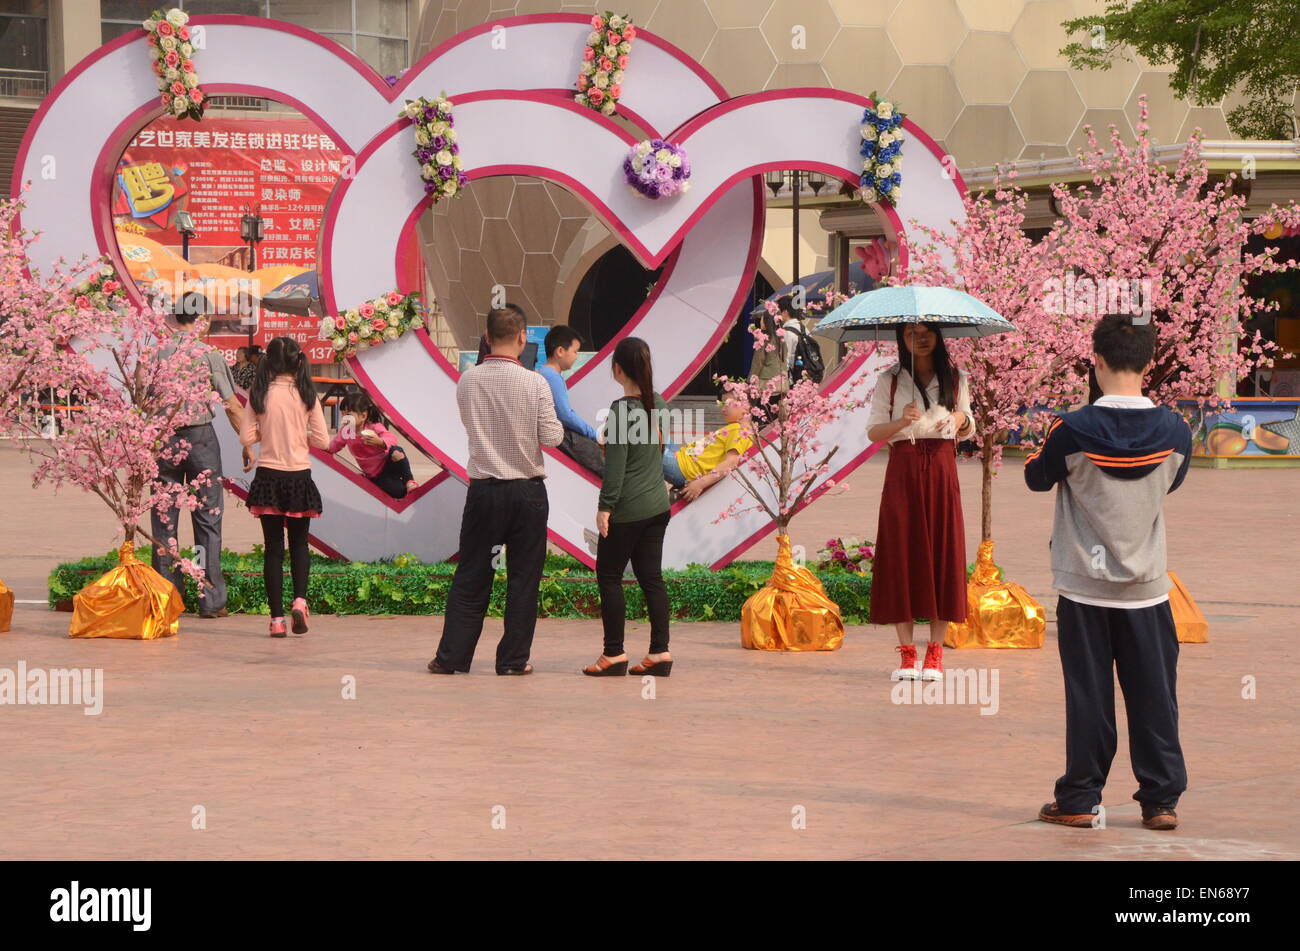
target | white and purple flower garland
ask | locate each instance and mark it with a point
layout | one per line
(658, 169)
(882, 159)
(436, 148)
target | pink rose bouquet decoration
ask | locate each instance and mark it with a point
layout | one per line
(371, 323)
(600, 78)
(846, 554)
(171, 49)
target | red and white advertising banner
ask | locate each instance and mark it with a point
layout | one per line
(278, 167)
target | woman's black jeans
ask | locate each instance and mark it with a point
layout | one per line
(642, 543)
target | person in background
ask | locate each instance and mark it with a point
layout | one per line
(373, 447)
(1113, 463)
(920, 564)
(509, 415)
(769, 362)
(632, 514)
(286, 420)
(792, 325)
(204, 455)
(692, 469)
(485, 341)
(244, 371)
(581, 442)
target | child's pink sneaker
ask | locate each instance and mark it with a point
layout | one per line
(300, 615)
(277, 627)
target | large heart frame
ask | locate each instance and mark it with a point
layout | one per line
(512, 120)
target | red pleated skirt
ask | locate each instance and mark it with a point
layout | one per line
(920, 564)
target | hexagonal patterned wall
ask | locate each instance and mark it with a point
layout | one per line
(984, 77)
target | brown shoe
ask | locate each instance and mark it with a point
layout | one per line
(219, 612)
(1051, 812)
(1159, 818)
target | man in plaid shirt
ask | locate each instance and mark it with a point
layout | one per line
(509, 415)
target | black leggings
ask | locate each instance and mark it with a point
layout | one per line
(395, 474)
(642, 542)
(273, 531)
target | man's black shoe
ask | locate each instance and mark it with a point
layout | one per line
(436, 668)
(1159, 817)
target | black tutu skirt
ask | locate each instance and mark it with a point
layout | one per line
(277, 492)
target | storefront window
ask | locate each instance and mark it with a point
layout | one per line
(1281, 326)
(375, 29)
(24, 49)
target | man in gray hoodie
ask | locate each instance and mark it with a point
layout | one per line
(1113, 463)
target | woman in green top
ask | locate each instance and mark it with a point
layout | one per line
(633, 514)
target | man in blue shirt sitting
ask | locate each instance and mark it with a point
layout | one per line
(580, 440)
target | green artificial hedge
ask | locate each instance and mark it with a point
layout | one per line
(404, 585)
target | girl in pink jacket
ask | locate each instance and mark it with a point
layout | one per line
(286, 420)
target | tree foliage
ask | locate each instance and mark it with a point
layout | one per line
(1216, 47)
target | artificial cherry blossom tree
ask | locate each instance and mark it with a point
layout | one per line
(1164, 244)
(1177, 239)
(1044, 362)
(83, 342)
(791, 455)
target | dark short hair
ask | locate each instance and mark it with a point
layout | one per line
(786, 304)
(1123, 344)
(189, 306)
(561, 335)
(506, 322)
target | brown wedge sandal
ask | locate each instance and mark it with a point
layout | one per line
(606, 668)
(659, 668)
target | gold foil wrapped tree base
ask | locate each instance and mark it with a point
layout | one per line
(1188, 619)
(6, 607)
(131, 601)
(998, 613)
(791, 612)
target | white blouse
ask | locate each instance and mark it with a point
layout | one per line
(929, 425)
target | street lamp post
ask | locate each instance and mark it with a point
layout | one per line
(252, 230)
(185, 225)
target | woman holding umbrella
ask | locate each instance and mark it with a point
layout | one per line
(921, 412)
(920, 565)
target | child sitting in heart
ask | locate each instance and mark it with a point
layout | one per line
(373, 447)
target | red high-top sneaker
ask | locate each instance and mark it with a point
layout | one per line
(933, 669)
(906, 663)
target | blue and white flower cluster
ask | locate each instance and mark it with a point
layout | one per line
(882, 158)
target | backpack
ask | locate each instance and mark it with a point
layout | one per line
(808, 357)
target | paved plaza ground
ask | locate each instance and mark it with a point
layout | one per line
(734, 746)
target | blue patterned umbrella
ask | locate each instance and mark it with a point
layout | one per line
(876, 314)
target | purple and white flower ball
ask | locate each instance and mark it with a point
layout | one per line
(657, 169)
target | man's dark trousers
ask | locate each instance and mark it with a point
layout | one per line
(498, 512)
(205, 453)
(1141, 644)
